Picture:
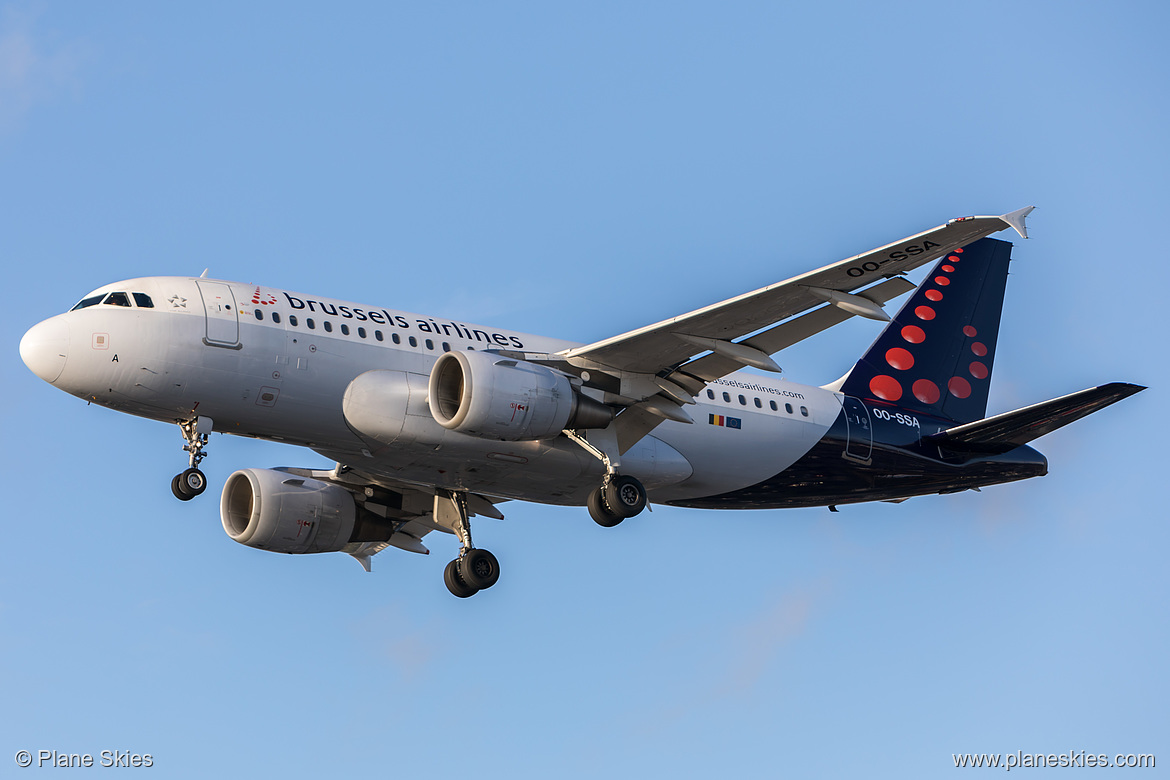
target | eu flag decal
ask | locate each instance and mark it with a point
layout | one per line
(726, 422)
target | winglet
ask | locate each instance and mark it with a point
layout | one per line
(1016, 220)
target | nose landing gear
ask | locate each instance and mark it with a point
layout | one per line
(192, 482)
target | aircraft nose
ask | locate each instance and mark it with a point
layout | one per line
(45, 347)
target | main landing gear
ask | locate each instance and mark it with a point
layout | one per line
(619, 496)
(192, 482)
(475, 569)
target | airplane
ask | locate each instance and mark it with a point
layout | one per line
(432, 421)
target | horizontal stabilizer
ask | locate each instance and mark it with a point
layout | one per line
(1005, 432)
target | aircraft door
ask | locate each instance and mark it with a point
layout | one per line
(859, 430)
(223, 323)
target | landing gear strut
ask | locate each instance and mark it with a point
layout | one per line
(192, 482)
(475, 569)
(618, 497)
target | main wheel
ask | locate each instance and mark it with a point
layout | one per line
(192, 482)
(455, 583)
(479, 568)
(601, 513)
(624, 496)
(177, 489)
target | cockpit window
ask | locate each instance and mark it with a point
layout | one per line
(143, 301)
(85, 303)
(117, 299)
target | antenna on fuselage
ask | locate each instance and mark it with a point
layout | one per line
(204, 274)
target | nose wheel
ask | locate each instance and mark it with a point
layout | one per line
(192, 482)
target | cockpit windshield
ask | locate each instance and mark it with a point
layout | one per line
(85, 303)
(141, 300)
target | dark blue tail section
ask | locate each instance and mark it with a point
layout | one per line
(936, 355)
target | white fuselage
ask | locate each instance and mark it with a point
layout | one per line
(215, 349)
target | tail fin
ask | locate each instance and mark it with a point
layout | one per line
(937, 353)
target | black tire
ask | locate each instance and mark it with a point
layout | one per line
(600, 512)
(192, 482)
(177, 489)
(479, 569)
(455, 583)
(624, 496)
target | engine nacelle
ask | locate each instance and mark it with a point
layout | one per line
(496, 397)
(281, 512)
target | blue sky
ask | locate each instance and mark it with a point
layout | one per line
(579, 172)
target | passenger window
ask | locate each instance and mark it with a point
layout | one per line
(430, 344)
(276, 317)
(413, 341)
(711, 394)
(85, 303)
(344, 329)
(726, 398)
(758, 404)
(446, 347)
(143, 300)
(378, 335)
(773, 405)
(117, 299)
(362, 332)
(742, 401)
(292, 320)
(259, 314)
(395, 338)
(804, 411)
(310, 324)
(788, 408)
(328, 326)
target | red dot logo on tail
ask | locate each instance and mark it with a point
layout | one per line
(899, 358)
(926, 391)
(886, 387)
(959, 387)
(914, 334)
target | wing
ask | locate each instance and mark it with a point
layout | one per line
(660, 368)
(406, 510)
(664, 345)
